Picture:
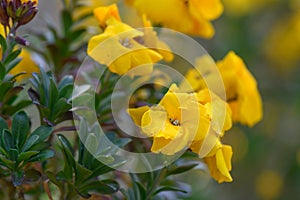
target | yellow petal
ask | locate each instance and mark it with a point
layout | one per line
(103, 13)
(137, 114)
(220, 164)
(209, 10)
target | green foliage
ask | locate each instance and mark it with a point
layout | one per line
(19, 146)
(150, 185)
(52, 100)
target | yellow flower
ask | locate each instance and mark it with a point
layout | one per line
(119, 50)
(151, 40)
(173, 123)
(183, 120)
(241, 90)
(218, 161)
(190, 16)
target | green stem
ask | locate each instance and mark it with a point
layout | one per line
(156, 182)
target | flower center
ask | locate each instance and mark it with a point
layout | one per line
(125, 42)
(175, 122)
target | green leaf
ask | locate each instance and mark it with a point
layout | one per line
(12, 64)
(66, 81)
(60, 107)
(20, 128)
(2, 71)
(30, 142)
(3, 44)
(66, 91)
(3, 125)
(141, 189)
(65, 143)
(101, 187)
(7, 140)
(43, 132)
(53, 94)
(181, 169)
(67, 21)
(12, 56)
(102, 169)
(70, 164)
(4, 88)
(81, 174)
(40, 146)
(168, 188)
(8, 163)
(26, 155)
(13, 154)
(42, 156)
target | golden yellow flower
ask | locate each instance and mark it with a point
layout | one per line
(119, 50)
(241, 87)
(151, 40)
(241, 90)
(173, 123)
(190, 16)
(183, 120)
(218, 161)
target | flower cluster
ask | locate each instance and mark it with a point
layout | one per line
(190, 116)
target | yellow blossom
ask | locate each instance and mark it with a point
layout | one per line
(182, 120)
(240, 86)
(218, 161)
(173, 123)
(119, 50)
(241, 90)
(190, 16)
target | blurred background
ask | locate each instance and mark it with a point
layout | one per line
(266, 160)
